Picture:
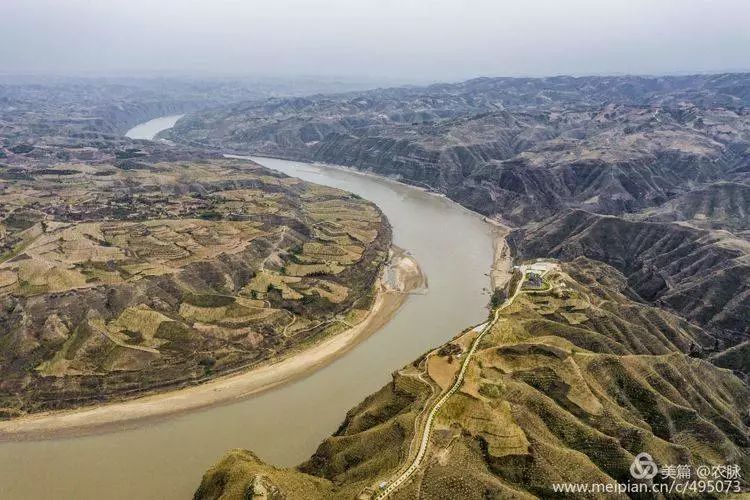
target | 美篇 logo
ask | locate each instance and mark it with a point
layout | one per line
(643, 467)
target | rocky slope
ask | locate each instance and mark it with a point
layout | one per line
(130, 266)
(569, 386)
(39, 110)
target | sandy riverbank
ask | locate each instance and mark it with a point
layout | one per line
(502, 262)
(401, 277)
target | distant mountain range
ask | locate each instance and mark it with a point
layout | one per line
(519, 149)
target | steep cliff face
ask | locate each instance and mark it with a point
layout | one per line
(118, 119)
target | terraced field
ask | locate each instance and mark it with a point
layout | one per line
(568, 384)
(115, 282)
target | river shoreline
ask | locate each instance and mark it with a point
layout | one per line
(406, 277)
(502, 263)
(401, 277)
(367, 173)
(285, 425)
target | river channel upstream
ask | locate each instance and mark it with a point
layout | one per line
(166, 459)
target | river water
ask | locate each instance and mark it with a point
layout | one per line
(149, 129)
(166, 459)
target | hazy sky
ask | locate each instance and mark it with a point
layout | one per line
(418, 40)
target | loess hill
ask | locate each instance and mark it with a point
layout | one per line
(703, 275)
(131, 266)
(129, 277)
(638, 187)
(517, 148)
(569, 385)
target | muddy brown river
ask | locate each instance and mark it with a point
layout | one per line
(166, 459)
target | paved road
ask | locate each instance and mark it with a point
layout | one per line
(417, 462)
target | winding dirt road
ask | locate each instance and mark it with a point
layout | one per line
(404, 476)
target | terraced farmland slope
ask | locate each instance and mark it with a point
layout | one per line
(569, 385)
(118, 281)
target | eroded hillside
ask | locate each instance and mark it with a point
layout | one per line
(117, 280)
(637, 343)
(518, 149)
(701, 274)
(724, 205)
(572, 381)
